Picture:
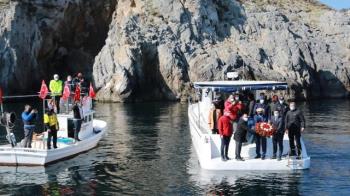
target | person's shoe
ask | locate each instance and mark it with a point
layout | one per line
(273, 156)
(298, 157)
(239, 159)
(257, 157)
(223, 159)
(55, 147)
(228, 158)
(263, 157)
(279, 158)
(48, 147)
(78, 140)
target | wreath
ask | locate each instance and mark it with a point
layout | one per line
(264, 129)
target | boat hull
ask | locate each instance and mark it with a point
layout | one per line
(39, 157)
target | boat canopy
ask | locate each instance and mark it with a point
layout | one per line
(238, 85)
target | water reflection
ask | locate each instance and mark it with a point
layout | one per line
(148, 151)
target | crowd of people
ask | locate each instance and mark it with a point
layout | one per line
(239, 114)
(51, 124)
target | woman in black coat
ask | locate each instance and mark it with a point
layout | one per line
(241, 135)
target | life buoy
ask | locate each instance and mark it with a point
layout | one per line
(264, 129)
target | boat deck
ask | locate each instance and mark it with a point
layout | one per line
(256, 164)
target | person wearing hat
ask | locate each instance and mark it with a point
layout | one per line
(51, 126)
(56, 88)
(260, 141)
(225, 131)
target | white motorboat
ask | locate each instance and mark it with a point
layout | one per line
(207, 145)
(91, 133)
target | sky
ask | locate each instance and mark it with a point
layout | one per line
(337, 4)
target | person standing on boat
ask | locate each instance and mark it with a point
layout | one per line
(273, 105)
(77, 119)
(262, 104)
(282, 107)
(260, 141)
(294, 125)
(69, 83)
(29, 116)
(225, 131)
(277, 139)
(235, 107)
(56, 88)
(51, 126)
(214, 115)
(251, 101)
(240, 135)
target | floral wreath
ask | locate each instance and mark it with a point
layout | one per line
(264, 129)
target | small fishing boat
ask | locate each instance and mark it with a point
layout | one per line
(207, 145)
(91, 133)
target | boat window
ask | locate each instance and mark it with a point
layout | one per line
(85, 119)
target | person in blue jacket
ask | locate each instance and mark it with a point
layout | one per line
(29, 117)
(260, 141)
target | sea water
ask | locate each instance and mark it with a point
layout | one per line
(148, 151)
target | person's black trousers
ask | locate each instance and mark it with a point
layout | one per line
(225, 143)
(57, 102)
(277, 139)
(294, 134)
(52, 134)
(77, 127)
(259, 140)
(238, 149)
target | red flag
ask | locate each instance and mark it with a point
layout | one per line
(77, 93)
(1, 96)
(92, 93)
(66, 93)
(43, 90)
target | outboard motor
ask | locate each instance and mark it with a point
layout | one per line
(7, 120)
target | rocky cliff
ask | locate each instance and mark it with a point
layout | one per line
(139, 50)
(41, 37)
(156, 48)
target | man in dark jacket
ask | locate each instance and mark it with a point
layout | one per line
(77, 119)
(277, 123)
(240, 135)
(294, 124)
(225, 131)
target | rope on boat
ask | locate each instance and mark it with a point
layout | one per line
(19, 96)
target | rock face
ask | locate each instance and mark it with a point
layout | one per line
(42, 37)
(156, 48)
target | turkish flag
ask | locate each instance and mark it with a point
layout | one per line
(43, 90)
(1, 96)
(66, 93)
(92, 93)
(77, 93)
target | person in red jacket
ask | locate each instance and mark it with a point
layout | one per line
(234, 106)
(225, 131)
